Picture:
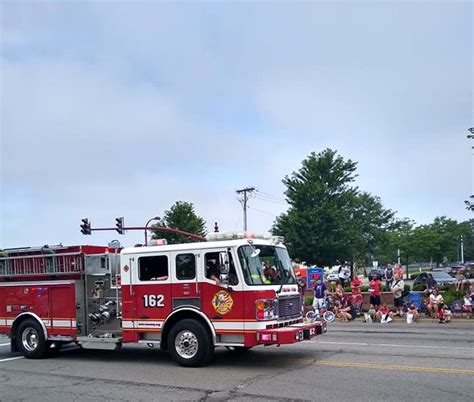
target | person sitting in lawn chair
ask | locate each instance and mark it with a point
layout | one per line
(412, 314)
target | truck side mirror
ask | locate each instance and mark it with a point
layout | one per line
(224, 262)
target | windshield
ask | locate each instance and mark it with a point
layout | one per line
(441, 275)
(271, 267)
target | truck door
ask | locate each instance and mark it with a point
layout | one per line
(152, 292)
(222, 303)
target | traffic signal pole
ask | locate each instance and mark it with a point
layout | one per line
(157, 228)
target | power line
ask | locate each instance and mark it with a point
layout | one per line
(263, 212)
(270, 196)
(270, 200)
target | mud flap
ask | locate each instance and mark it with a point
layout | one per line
(13, 346)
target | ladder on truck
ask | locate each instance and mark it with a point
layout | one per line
(41, 264)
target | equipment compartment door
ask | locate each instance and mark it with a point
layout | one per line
(62, 301)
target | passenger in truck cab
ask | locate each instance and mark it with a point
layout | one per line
(269, 272)
(213, 272)
(159, 278)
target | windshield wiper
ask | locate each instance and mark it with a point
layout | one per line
(281, 269)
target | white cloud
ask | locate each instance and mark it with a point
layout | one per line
(111, 110)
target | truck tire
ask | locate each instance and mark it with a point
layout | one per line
(30, 339)
(190, 344)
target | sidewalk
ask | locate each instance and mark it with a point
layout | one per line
(422, 321)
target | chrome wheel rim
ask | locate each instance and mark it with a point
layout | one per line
(186, 344)
(30, 339)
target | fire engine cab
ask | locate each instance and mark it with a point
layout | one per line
(235, 290)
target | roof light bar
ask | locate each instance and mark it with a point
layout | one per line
(157, 242)
(220, 236)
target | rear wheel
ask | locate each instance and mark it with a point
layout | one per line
(190, 343)
(30, 339)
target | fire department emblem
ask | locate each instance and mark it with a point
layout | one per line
(222, 302)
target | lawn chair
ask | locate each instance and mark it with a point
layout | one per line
(416, 299)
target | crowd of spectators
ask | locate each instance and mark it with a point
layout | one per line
(347, 307)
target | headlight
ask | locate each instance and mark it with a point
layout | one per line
(266, 309)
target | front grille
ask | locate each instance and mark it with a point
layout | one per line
(289, 307)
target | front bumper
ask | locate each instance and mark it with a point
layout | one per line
(291, 334)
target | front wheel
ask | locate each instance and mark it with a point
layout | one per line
(30, 339)
(190, 344)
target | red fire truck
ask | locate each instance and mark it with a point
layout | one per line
(185, 298)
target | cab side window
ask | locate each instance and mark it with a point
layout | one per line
(185, 266)
(213, 269)
(212, 265)
(153, 268)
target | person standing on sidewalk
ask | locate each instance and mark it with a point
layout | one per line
(320, 292)
(399, 271)
(356, 288)
(388, 274)
(375, 291)
(397, 290)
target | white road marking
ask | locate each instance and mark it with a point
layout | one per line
(12, 358)
(4, 344)
(393, 345)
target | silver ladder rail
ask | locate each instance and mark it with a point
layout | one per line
(42, 264)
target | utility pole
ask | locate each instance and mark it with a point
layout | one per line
(462, 250)
(244, 191)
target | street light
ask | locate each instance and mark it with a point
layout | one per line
(156, 218)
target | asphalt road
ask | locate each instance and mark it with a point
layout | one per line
(353, 362)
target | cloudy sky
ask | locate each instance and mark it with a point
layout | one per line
(122, 108)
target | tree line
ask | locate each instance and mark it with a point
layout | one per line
(330, 219)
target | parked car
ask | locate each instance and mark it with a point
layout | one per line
(441, 278)
(442, 269)
(375, 273)
(458, 267)
(333, 274)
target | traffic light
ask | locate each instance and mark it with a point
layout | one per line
(86, 227)
(119, 224)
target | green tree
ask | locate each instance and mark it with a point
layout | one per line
(329, 219)
(447, 235)
(181, 216)
(397, 237)
(369, 224)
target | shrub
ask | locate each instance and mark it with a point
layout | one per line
(447, 288)
(308, 301)
(451, 295)
(347, 289)
(415, 275)
(407, 287)
(365, 288)
(419, 287)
